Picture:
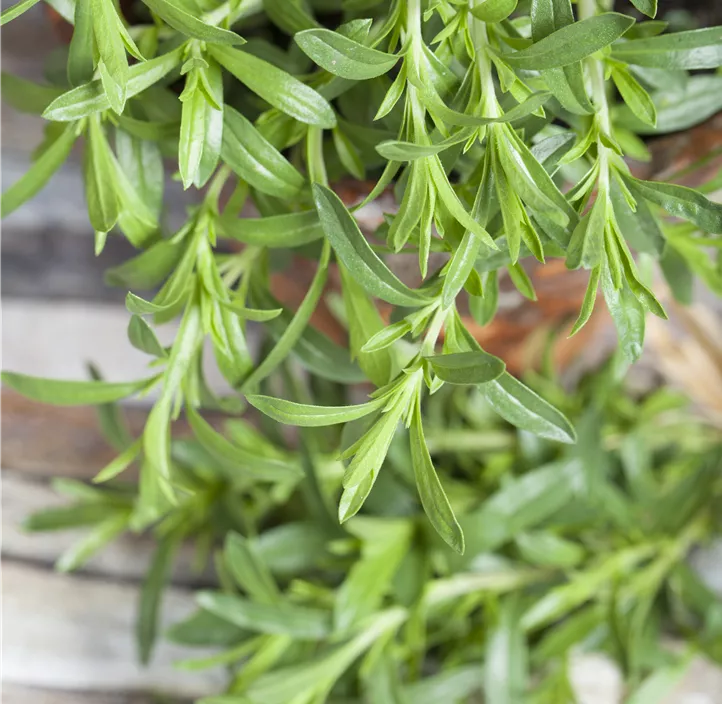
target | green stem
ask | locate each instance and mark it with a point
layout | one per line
(480, 38)
(587, 9)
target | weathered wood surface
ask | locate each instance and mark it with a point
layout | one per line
(74, 632)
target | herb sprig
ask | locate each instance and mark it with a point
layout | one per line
(503, 130)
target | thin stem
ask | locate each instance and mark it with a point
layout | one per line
(587, 9)
(488, 90)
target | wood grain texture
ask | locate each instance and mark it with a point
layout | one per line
(125, 559)
(75, 633)
(13, 694)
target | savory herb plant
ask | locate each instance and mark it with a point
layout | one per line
(502, 128)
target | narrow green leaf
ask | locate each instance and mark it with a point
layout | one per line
(387, 336)
(249, 570)
(143, 338)
(27, 96)
(189, 25)
(395, 150)
(90, 98)
(80, 54)
(448, 197)
(506, 659)
(290, 16)
(113, 63)
(74, 393)
(356, 254)
(73, 516)
(10, 13)
(303, 623)
(275, 231)
(101, 188)
(151, 596)
(385, 541)
(306, 416)
(590, 298)
(587, 242)
(364, 321)
(192, 134)
(638, 100)
(255, 314)
(695, 49)
(39, 173)
(681, 202)
(572, 43)
(523, 408)
(342, 56)
(256, 160)
(628, 316)
(119, 463)
(276, 87)
(147, 269)
(431, 492)
(313, 349)
(467, 367)
(295, 328)
(549, 550)
(95, 540)
(240, 461)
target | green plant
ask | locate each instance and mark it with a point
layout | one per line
(478, 115)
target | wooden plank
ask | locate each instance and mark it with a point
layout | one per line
(50, 441)
(69, 632)
(13, 694)
(126, 558)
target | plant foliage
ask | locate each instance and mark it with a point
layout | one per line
(502, 128)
